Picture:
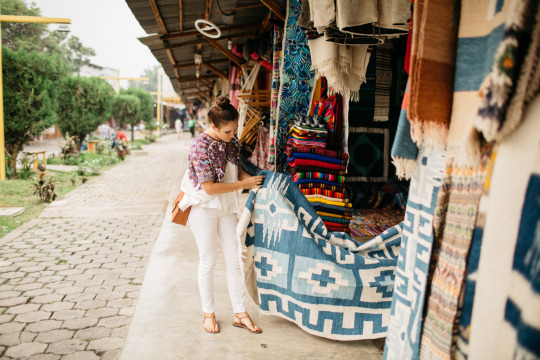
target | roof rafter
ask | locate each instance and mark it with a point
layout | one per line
(225, 52)
(275, 8)
(216, 71)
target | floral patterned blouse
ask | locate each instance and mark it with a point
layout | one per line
(208, 159)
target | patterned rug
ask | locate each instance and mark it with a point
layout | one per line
(325, 282)
(403, 339)
(373, 222)
(369, 153)
(297, 79)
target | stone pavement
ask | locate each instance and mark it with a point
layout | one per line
(69, 280)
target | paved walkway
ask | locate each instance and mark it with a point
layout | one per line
(71, 278)
(71, 281)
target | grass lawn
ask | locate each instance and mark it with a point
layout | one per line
(20, 193)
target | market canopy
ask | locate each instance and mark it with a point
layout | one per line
(174, 39)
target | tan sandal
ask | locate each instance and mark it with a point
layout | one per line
(240, 325)
(213, 317)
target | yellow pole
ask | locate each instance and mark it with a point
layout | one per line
(118, 81)
(23, 19)
(2, 145)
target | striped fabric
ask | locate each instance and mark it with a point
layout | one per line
(322, 186)
(318, 175)
(322, 152)
(278, 35)
(320, 191)
(383, 81)
(432, 67)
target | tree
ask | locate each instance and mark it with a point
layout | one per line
(21, 35)
(86, 103)
(70, 49)
(152, 84)
(146, 114)
(126, 109)
(31, 82)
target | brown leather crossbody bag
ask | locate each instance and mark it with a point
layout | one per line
(178, 216)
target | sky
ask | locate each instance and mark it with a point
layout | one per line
(107, 26)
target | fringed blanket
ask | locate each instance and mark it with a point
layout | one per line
(326, 283)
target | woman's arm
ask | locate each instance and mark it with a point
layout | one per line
(213, 188)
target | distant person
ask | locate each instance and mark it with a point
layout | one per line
(178, 127)
(192, 123)
(120, 143)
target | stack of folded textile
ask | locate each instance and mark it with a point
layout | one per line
(319, 174)
(309, 132)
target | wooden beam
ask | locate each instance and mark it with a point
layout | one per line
(275, 8)
(207, 8)
(180, 15)
(190, 65)
(216, 71)
(200, 40)
(225, 52)
(195, 32)
(233, 9)
(193, 78)
(157, 16)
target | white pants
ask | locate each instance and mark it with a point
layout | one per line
(206, 225)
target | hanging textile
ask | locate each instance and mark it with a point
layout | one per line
(497, 332)
(369, 151)
(234, 84)
(432, 66)
(344, 67)
(361, 109)
(259, 156)
(276, 61)
(383, 82)
(297, 80)
(404, 150)
(479, 38)
(403, 338)
(341, 290)
(461, 338)
(387, 14)
(515, 74)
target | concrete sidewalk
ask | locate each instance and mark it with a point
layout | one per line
(167, 324)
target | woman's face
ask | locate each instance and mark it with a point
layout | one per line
(227, 131)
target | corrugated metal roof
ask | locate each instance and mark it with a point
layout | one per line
(183, 48)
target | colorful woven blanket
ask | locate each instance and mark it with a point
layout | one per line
(318, 175)
(297, 79)
(326, 283)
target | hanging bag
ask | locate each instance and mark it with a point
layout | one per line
(178, 216)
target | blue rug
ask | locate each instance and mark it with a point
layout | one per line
(403, 339)
(325, 282)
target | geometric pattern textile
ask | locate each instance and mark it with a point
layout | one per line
(369, 151)
(403, 338)
(325, 282)
(297, 79)
(523, 304)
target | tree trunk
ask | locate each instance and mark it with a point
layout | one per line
(12, 158)
(132, 133)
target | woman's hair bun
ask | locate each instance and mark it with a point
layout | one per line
(222, 102)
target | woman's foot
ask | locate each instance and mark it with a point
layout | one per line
(244, 321)
(210, 324)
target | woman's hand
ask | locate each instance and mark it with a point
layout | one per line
(252, 182)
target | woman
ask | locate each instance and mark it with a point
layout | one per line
(211, 187)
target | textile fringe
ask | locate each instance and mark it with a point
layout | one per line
(404, 167)
(380, 118)
(355, 95)
(437, 131)
(528, 84)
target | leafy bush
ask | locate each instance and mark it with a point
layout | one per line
(86, 103)
(44, 188)
(30, 96)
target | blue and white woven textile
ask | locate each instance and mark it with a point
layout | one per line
(325, 282)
